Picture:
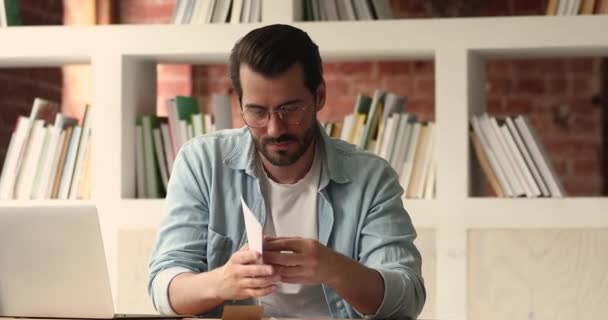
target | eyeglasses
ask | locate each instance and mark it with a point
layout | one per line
(290, 114)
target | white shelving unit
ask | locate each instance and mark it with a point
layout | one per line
(124, 59)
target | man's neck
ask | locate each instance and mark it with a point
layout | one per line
(292, 173)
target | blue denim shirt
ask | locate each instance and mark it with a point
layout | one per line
(360, 215)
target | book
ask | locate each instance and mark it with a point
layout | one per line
(562, 7)
(382, 9)
(346, 10)
(160, 157)
(498, 170)
(65, 145)
(7, 179)
(363, 10)
(528, 158)
(70, 161)
(3, 22)
(400, 142)
(140, 164)
(389, 134)
(601, 7)
(55, 165)
(245, 12)
(178, 11)
(496, 145)
(407, 168)
(11, 12)
(43, 164)
(255, 13)
(331, 10)
(83, 141)
(56, 138)
(587, 7)
(399, 152)
(540, 159)
(235, 12)
(392, 103)
(222, 111)
(485, 165)
(25, 181)
(164, 130)
(180, 110)
(41, 110)
(84, 191)
(552, 7)
(374, 115)
(427, 161)
(530, 186)
(416, 183)
(152, 173)
(220, 11)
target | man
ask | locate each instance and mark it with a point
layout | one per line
(338, 240)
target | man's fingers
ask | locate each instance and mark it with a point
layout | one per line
(254, 293)
(245, 257)
(259, 282)
(287, 273)
(284, 259)
(256, 270)
(296, 280)
(284, 244)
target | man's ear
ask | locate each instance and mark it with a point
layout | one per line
(320, 96)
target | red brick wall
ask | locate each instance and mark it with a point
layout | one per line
(554, 93)
(19, 86)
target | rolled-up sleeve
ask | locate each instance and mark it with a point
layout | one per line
(181, 243)
(160, 289)
(386, 245)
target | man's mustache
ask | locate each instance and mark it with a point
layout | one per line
(282, 138)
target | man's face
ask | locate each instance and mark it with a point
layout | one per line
(281, 141)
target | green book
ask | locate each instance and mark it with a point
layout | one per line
(363, 104)
(153, 182)
(13, 15)
(186, 107)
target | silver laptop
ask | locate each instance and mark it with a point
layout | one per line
(53, 265)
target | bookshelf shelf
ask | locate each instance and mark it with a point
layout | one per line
(124, 57)
(498, 37)
(45, 203)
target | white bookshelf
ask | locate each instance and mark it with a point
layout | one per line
(124, 59)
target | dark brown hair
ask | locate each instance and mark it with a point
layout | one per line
(271, 50)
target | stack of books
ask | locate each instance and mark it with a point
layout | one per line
(217, 11)
(513, 159)
(158, 139)
(9, 13)
(379, 124)
(48, 156)
(344, 10)
(576, 7)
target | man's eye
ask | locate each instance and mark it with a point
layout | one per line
(290, 108)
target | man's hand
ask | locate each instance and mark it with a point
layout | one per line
(312, 263)
(241, 278)
(309, 262)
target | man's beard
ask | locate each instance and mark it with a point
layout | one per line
(283, 158)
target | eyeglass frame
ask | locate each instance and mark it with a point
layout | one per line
(278, 111)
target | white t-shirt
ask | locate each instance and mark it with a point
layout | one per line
(291, 211)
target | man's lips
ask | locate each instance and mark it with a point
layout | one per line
(280, 144)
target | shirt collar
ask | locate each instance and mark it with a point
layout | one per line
(243, 157)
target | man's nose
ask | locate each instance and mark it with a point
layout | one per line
(276, 125)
